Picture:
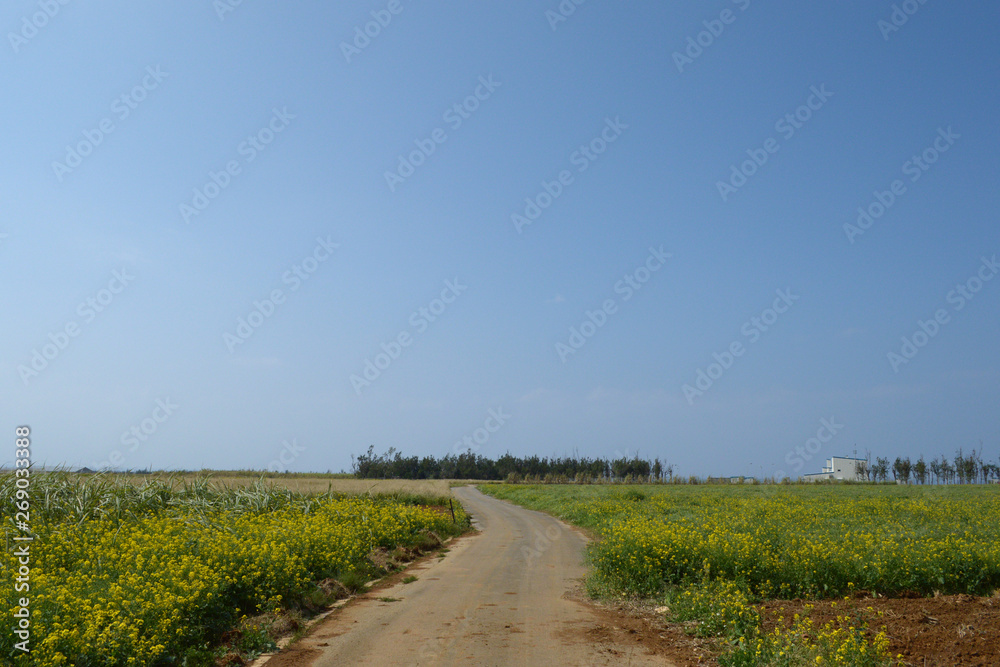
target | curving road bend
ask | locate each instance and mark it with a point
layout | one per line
(507, 596)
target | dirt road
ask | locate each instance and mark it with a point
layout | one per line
(507, 596)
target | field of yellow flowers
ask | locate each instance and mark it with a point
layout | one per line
(710, 552)
(126, 574)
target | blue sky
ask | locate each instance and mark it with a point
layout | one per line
(308, 128)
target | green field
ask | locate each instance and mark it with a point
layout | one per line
(711, 552)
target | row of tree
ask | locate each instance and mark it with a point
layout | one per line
(964, 469)
(468, 465)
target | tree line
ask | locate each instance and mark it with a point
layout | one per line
(469, 465)
(963, 469)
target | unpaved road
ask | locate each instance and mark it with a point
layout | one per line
(507, 596)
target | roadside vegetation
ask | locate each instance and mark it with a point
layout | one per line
(711, 555)
(187, 572)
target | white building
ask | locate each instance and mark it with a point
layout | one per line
(839, 467)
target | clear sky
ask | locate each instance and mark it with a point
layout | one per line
(673, 169)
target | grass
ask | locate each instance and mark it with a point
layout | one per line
(305, 483)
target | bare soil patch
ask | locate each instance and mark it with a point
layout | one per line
(943, 631)
(952, 630)
(627, 629)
